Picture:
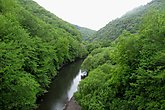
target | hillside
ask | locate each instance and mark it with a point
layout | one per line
(131, 21)
(130, 73)
(34, 44)
(85, 32)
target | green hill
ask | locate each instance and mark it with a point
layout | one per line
(34, 44)
(130, 73)
(130, 21)
(85, 32)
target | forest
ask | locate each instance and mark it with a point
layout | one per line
(34, 44)
(125, 60)
(129, 74)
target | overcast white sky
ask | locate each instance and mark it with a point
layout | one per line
(93, 14)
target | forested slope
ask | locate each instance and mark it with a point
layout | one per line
(129, 74)
(86, 33)
(130, 21)
(34, 44)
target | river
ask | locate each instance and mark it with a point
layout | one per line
(62, 87)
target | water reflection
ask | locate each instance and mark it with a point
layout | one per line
(62, 88)
(74, 86)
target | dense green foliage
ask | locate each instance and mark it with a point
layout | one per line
(85, 32)
(129, 75)
(34, 44)
(130, 22)
(87, 36)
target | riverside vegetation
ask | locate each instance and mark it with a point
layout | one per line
(126, 61)
(34, 44)
(127, 70)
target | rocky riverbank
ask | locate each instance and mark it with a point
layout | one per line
(72, 105)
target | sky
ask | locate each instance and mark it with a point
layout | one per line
(93, 14)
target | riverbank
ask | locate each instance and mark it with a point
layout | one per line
(72, 105)
(62, 87)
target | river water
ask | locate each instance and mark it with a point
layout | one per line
(62, 87)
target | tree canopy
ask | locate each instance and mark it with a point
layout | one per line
(130, 73)
(34, 44)
(130, 21)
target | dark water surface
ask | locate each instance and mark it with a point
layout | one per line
(62, 87)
